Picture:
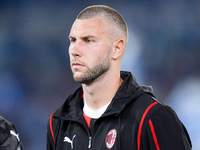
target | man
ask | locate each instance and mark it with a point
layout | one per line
(110, 110)
(9, 137)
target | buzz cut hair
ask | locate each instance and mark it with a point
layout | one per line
(109, 14)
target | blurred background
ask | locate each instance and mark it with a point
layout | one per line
(35, 76)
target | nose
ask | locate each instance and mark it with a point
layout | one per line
(74, 49)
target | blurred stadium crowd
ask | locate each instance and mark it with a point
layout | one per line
(35, 76)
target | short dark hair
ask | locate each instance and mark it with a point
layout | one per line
(109, 14)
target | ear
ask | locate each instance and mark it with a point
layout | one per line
(118, 49)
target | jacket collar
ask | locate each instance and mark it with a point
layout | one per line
(128, 91)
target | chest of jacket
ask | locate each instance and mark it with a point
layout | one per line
(111, 132)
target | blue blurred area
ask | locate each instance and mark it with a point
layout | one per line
(35, 77)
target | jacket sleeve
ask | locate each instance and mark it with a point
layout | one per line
(165, 131)
(50, 141)
(9, 138)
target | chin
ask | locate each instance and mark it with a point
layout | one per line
(77, 76)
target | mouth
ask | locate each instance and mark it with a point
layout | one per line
(76, 65)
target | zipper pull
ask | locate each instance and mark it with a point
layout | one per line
(90, 142)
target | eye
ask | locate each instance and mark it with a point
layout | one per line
(89, 41)
(72, 40)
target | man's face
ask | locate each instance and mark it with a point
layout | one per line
(89, 49)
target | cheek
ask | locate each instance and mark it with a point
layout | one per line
(101, 51)
(93, 61)
(70, 57)
(97, 60)
(99, 57)
(69, 52)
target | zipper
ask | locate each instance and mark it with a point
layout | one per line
(90, 142)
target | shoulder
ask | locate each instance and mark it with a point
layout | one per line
(72, 100)
(162, 112)
(4, 122)
(161, 125)
(6, 126)
(154, 109)
(148, 108)
(164, 127)
(9, 135)
(164, 117)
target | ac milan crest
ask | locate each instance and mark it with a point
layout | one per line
(110, 138)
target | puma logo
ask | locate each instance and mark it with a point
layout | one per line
(15, 134)
(66, 139)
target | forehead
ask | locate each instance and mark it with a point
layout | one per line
(89, 26)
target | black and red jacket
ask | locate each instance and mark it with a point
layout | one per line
(134, 120)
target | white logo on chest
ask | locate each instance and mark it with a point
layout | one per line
(68, 140)
(15, 134)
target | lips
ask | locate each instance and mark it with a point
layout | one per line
(76, 65)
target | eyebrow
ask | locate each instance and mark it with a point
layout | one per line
(71, 37)
(84, 37)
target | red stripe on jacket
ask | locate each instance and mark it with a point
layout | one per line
(154, 134)
(51, 128)
(141, 123)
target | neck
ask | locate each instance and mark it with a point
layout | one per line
(102, 90)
